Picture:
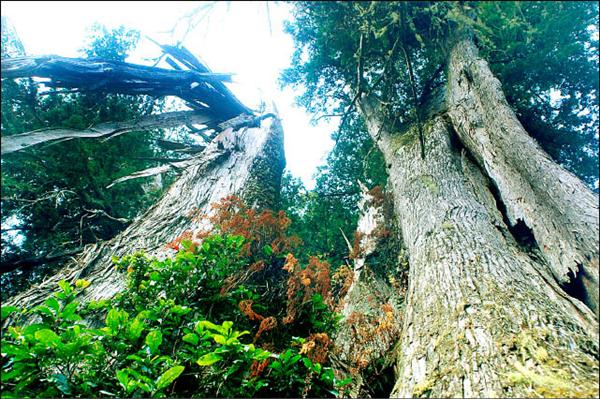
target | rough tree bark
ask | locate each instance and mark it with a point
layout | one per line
(560, 210)
(248, 162)
(485, 315)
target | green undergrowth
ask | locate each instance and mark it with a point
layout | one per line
(224, 317)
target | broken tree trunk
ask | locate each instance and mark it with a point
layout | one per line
(374, 302)
(247, 162)
(107, 130)
(484, 316)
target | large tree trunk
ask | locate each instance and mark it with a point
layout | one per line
(558, 208)
(248, 162)
(484, 316)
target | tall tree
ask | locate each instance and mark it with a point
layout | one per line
(323, 215)
(235, 155)
(502, 240)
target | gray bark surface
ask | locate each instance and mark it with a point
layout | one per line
(483, 317)
(21, 141)
(560, 209)
(232, 164)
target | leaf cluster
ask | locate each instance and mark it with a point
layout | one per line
(538, 50)
(173, 332)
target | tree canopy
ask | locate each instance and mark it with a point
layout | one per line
(544, 53)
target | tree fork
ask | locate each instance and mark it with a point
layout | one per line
(478, 308)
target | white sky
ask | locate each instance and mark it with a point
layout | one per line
(234, 38)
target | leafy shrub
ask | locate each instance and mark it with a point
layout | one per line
(175, 332)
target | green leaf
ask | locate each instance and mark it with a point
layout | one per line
(208, 359)
(180, 310)
(190, 338)
(68, 312)
(219, 339)
(328, 375)
(53, 304)
(207, 324)
(61, 383)
(123, 377)
(8, 310)
(226, 326)
(343, 382)
(82, 284)
(268, 250)
(47, 337)
(155, 276)
(169, 376)
(153, 340)
(307, 363)
(295, 359)
(134, 329)
(116, 319)
(186, 244)
(316, 367)
(43, 309)
(65, 286)
(7, 376)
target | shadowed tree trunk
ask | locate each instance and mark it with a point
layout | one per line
(374, 301)
(485, 314)
(248, 162)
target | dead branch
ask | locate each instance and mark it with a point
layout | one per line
(198, 86)
(18, 142)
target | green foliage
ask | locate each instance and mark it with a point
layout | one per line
(538, 49)
(535, 48)
(319, 215)
(170, 333)
(110, 44)
(55, 195)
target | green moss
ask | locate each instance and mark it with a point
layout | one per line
(447, 225)
(549, 383)
(540, 375)
(428, 182)
(423, 388)
(403, 139)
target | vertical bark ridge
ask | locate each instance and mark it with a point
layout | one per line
(482, 318)
(229, 165)
(560, 209)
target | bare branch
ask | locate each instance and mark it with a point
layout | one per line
(111, 129)
(159, 159)
(156, 170)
